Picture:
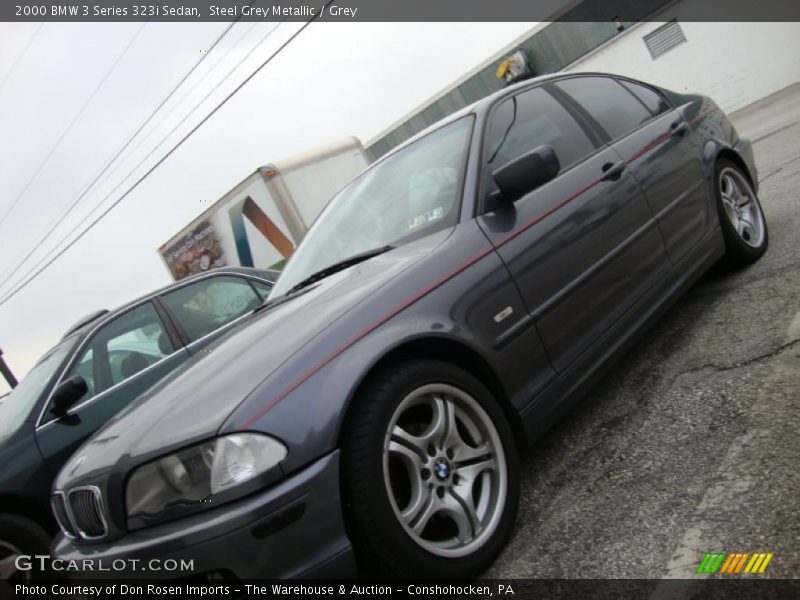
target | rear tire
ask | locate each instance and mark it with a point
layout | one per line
(430, 474)
(740, 214)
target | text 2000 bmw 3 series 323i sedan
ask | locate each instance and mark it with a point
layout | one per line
(447, 306)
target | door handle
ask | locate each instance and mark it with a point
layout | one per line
(678, 128)
(613, 171)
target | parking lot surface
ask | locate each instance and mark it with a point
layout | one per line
(691, 443)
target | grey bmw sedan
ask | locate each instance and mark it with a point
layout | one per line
(448, 305)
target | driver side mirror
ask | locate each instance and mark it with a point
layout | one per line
(67, 394)
(526, 173)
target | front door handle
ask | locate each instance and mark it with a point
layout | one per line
(678, 128)
(613, 171)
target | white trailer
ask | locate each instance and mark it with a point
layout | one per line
(260, 221)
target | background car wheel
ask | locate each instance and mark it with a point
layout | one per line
(740, 215)
(19, 535)
(430, 474)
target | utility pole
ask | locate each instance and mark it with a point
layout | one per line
(9, 376)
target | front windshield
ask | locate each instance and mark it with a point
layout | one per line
(17, 405)
(412, 193)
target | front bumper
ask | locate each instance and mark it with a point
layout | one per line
(294, 529)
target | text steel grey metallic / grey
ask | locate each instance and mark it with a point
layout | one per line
(447, 306)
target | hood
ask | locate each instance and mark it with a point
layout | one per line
(192, 403)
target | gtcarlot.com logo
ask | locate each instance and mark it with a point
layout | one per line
(43, 562)
(732, 563)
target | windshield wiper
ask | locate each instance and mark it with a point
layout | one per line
(338, 266)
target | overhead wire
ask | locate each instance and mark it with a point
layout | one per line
(72, 123)
(172, 150)
(87, 188)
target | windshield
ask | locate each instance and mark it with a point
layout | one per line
(18, 404)
(410, 194)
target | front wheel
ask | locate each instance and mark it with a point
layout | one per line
(741, 216)
(430, 473)
(21, 537)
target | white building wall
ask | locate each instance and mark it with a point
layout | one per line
(733, 63)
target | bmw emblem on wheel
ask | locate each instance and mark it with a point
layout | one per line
(442, 469)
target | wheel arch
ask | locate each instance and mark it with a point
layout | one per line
(446, 349)
(733, 156)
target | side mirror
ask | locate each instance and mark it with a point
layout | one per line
(526, 173)
(67, 394)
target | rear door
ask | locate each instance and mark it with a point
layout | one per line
(659, 149)
(119, 361)
(581, 248)
(203, 310)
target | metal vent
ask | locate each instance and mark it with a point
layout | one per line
(664, 39)
(60, 512)
(86, 508)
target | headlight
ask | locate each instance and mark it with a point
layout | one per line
(201, 474)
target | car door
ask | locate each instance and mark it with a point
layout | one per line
(204, 309)
(121, 359)
(583, 248)
(660, 149)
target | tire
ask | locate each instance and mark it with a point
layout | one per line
(382, 477)
(20, 535)
(740, 214)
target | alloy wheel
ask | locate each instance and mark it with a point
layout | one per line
(741, 207)
(445, 470)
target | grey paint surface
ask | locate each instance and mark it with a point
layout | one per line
(689, 444)
(291, 370)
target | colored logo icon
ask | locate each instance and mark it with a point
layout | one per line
(734, 562)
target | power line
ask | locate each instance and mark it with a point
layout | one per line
(184, 97)
(139, 164)
(21, 55)
(71, 124)
(168, 154)
(108, 164)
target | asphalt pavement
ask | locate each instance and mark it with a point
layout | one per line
(691, 443)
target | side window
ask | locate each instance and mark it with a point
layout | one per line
(262, 288)
(531, 119)
(650, 98)
(203, 307)
(612, 106)
(128, 344)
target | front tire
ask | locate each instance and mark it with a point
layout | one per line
(430, 473)
(741, 215)
(20, 536)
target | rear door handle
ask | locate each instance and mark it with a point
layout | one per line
(613, 171)
(678, 128)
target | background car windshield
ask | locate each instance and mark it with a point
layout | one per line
(412, 193)
(18, 404)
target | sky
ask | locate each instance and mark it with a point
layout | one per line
(334, 80)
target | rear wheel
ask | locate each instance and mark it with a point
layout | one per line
(430, 473)
(741, 216)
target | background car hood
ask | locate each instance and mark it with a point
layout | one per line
(192, 403)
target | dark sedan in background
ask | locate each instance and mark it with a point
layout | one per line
(447, 307)
(101, 364)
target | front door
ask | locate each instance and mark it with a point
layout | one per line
(119, 361)
(583, 247)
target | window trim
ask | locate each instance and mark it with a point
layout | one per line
(78, 353)
(70, 360)
(618, 80)
(585, 126)
(182, 335)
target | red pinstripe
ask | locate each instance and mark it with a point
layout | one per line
(444, 279)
